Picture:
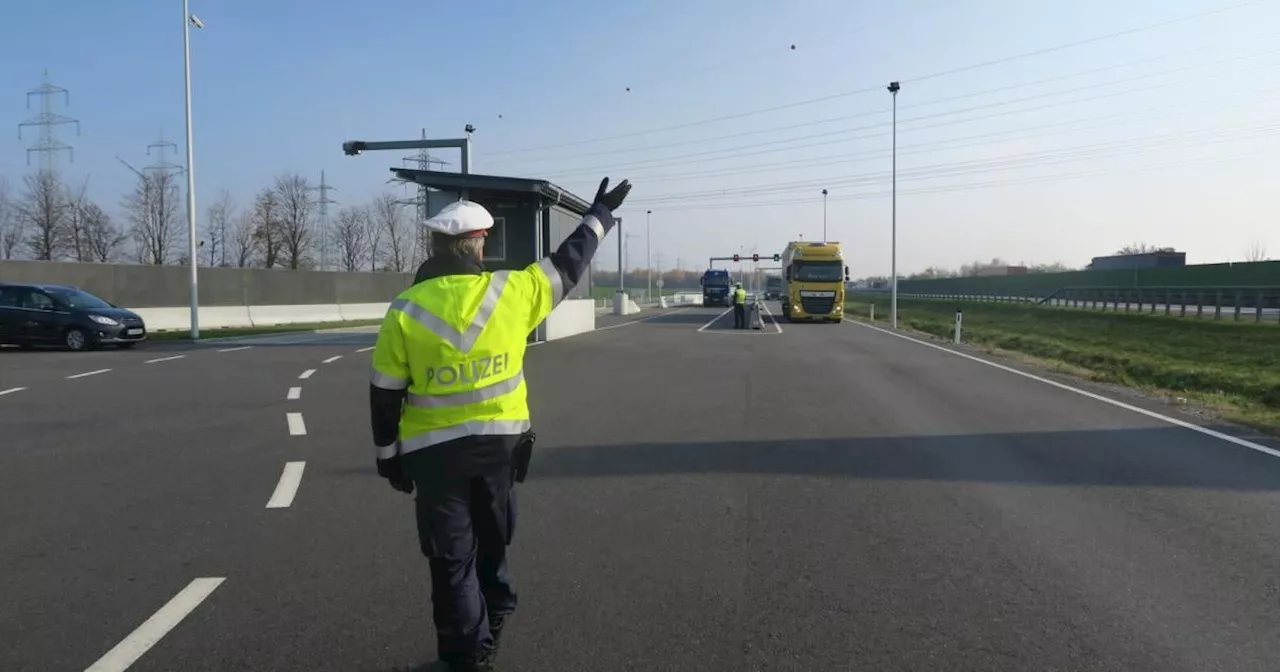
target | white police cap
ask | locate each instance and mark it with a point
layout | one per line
(461, 218)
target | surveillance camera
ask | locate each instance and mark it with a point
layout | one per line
(470, 129)
(195, 21)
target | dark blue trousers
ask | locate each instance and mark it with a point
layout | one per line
(465, 524)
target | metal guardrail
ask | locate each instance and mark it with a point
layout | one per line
(1262, 303)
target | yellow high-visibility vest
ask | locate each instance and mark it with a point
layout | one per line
(456, 343)
(739, 295)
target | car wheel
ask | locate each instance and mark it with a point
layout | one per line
(76, 339)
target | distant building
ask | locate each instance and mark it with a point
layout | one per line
(1168, 259)
(1001, 270)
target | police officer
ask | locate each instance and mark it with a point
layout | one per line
(449, 413)
(739, 307)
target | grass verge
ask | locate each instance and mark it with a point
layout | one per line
(258, 331)
(1230, 368)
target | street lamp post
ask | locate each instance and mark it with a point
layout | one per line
(893, 216)
(824, 215)
(188, 20)
(648, 252)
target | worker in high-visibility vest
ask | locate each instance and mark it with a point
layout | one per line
(739, 307)
(449, 412)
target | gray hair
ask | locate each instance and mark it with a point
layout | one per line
(454, 246)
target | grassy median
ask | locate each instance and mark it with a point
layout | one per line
(258, 331)
(1233, 368)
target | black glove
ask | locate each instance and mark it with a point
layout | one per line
(390, 470)
(613, 199)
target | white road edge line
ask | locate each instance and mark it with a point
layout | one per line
(287, 488)
(306, 374)
(164, 359)
(716, 318)
(88, 373)
(296, 426)
(643, 319)
(365, 349)
(332, 359)
(243, 347)
(131, 648)
(294, 393)
(11, 390)
(1097, 397)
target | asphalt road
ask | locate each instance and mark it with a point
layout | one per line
(803, 497)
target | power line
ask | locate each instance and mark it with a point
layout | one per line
(825, 139)
(48, 145)
(878, 87)
(885, 110)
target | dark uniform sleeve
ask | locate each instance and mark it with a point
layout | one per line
(551, 278)
(388, 385)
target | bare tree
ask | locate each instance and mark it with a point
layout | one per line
(387, 214)
(244, 239)
(374, 233)
(1257, 251)
(152, 209)
(351, 237)
(217, 222)
(1142, 248)
(266, 230)
(43, 212)
(77, 200)
(293, 193)
(102, 238)
(11, 225)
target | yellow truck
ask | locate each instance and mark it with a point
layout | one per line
(813, 277)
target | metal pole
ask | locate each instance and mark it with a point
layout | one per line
(648, 253)
(622, 272)
(191, 176)
(824, 215)
(893, 264)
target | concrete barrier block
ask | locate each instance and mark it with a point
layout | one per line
(362, 311)
(165, 319)
(571, 317)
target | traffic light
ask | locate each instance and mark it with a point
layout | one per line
(735, 258)
(777, 257)
(755, 257)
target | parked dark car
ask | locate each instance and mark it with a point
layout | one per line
(36, 314)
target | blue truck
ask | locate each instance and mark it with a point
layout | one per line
(716, 285)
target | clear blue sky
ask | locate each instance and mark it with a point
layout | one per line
(1168, 131)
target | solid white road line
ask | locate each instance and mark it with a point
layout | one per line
(290, 479)
(716, 318)
(772, 319)
(164, 359)
(1098, 397)
(296, 426)
(141, 640)
(332, 359)
(306, 374)
(243, 347)
(643, 319)
(365, 349)
(294, 393)
(11, 390)
(88, 373)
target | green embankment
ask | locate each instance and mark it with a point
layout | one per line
(1232, 367)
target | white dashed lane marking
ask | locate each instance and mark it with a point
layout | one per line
(164, 359)
(294, 393)
(332, 359)
(88, 373)
(296, 425)
(243, 347)
(11, 390)
(149, 633)
(290, 479)
(365, 349)
(306, 374)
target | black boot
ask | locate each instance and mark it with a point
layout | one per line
(495, 628)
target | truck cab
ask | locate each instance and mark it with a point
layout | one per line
(813, 276)
(773, 288)
(716, 287)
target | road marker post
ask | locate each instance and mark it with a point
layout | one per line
(959, 322)
(873, 311)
